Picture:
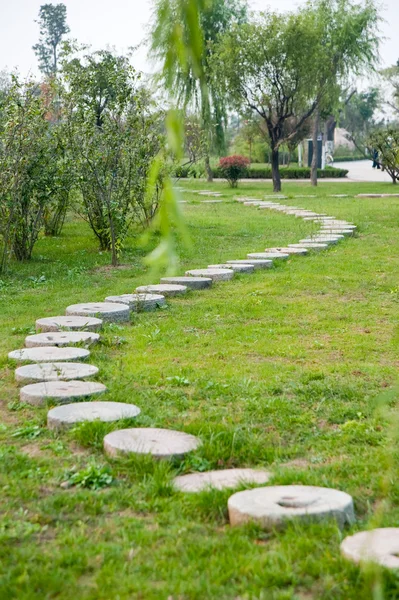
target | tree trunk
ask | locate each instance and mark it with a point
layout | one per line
(276, 171)
(209, 174)
(316, 122)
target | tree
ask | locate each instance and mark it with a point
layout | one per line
(113, 138)
(53, 28)
(386, 143)
(391, 76)
(174, 19)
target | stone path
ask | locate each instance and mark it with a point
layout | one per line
(65, 383)
(379, 546)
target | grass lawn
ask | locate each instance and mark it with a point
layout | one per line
(282, 369)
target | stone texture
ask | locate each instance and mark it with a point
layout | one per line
(344, 232)
(57, 371)
(243, 268)
(214, 274)
(60, 391)
(61, 338)
(257, 263)
(310, 246)
(68, 415)
(68, 324)
(160, 443)
(321, 237)
(377, 545)
(109, 311)
(211, 201)
(220, 480)
(48, 354)
(275, 506)
(194, 283)
(268, 255)
(318, 219)
(139, 302)
(164, 289)
(289, 250)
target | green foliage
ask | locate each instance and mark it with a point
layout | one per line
(233, 168)
(53, 28)
(386, 143)
(93, 477)
(255, 172)
(113, 136)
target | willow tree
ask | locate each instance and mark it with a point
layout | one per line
(173, 44)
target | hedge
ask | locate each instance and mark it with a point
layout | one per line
(349, 158)
(266, 173)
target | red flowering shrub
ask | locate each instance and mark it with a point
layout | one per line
(233, 168)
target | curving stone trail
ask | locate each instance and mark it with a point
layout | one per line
(61, 338)
(110, 312)
(48, 354)
(68, 324)
(214, 274)
(60, 391)
(68, 415)
(165, 289)
(220, 480)
(193, 283)
(159, 443)
(57, 371)
(138, 302)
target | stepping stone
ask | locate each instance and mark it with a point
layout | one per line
(379, 546)
(60, 391)
(311, 241)
(276, 506)
(324, 237)
(257, 263)
(270, 206)
(214, 274)
(281, 196)
(57, 371)
(339, 196)
(68, 415)
(345, 232)
(160, 443)
(377, 196)
(61, 338)
(254, 203)
(194, 283)
(300, 196)
(48, 354)
(109, 311)
(289, 250)
(310, 246)
(339, 224)
(68, 324)
(268, 255)
(163, 288)
(220, 480)
(301, 213)
(317, 219)
(211, 201)
(139, 302)
(244, 268)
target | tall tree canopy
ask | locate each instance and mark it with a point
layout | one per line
(53, 28)
(185, 65)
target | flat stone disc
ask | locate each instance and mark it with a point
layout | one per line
(61, 338)
(326, 237)
(108, 311)
(377, 545)
(274, 506)
(48, 354)
(68, 324)
(160, 443)
(257, 263)
(220, 480)
(214, 274)
(299, 251)
(56, 371)
(243, 268)
(139, 302)
(211, 201)
(311, 246)
(318, 219)
(67, 415)
(268, 255)
(60, 391)
(344, 232)
(309, 241)
(162, 288)
(194, 283)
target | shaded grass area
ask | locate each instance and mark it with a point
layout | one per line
(280, 369)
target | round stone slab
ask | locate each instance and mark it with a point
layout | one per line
(309, 241)
(257, 263)
(344, 232)
(377, 545)
(325, 237)
(48, 354)
(275, 506)
(243, 268)
(220, 480)
(60, 391)
(214, 274)
(194, 283)
(310, 246)
(68, 324)
(268, 255)
(163, 288)
(61, 338)
(139, 302)
(108, 311)
(160, 443)
(299, 251)
(57, 371)
(67, 415)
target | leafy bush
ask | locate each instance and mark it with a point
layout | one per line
(233, 168)
(386, 143)
(93, 477)
(289, 173)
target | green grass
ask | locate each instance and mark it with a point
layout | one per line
(281, 369)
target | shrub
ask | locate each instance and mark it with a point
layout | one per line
(289, 173)
(386, 143)
(233, 168)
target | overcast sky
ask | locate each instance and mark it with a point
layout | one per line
(123, 23)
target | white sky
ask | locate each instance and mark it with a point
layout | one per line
(122, 23)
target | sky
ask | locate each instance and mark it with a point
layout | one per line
(122, 24)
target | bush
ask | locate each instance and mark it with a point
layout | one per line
(233, 168)
(289, 173)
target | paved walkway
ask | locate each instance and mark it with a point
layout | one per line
(362, 170)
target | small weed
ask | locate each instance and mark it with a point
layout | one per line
(177, 380)
(29, 432)
(37, 281)
(93, 477)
